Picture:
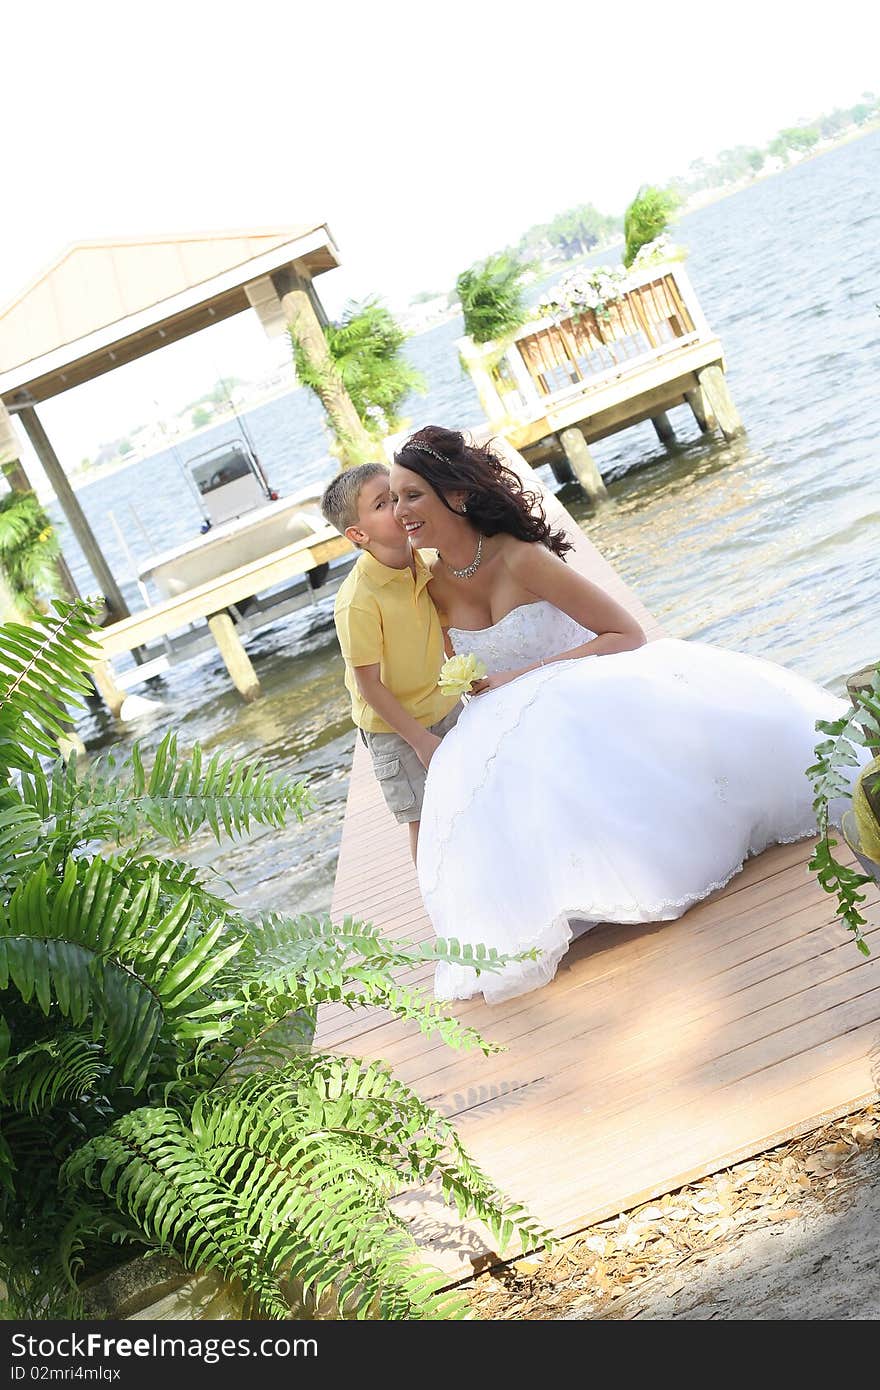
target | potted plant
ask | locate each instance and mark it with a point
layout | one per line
(860, 824)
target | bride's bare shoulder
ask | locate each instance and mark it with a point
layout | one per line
(522, 557)
(512, 551)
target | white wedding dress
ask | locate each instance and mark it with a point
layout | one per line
(618, 788)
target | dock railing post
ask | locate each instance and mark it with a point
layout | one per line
(522, 376)
(473, 357)
(689, 298)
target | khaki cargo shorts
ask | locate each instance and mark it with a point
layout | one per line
(399, 771)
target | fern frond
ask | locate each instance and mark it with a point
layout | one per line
(180, 794)
(148, 1163)
(97, 949)
(288, 1176)
(41, 667)
(60, 1067)
(20, 827)
(310, 960)
(176, 879)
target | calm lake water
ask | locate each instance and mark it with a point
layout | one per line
(768, 545)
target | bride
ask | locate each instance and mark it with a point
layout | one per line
(594, 778)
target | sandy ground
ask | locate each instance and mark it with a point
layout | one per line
(792, 1234)
(825, 1265)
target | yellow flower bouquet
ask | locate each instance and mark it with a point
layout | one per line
(458, 673)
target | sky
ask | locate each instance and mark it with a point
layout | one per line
(424, 136)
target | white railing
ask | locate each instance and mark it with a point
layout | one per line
(657, 314)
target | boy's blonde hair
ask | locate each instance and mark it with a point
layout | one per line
(339, 504)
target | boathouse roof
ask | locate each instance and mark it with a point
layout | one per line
(104, 303)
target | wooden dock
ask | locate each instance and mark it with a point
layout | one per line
(559, 384)
(659, 1053)
(211, 601)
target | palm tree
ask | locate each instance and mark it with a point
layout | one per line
(365, 346)
(646, 217)
(29, 552)
(316, 369)
(492, 297)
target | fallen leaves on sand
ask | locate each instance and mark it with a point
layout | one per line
(595, 1272)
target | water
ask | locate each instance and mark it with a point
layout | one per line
(767, 544)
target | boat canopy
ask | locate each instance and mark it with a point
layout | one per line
(228, 481)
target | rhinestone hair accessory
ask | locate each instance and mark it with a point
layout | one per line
(424, 449)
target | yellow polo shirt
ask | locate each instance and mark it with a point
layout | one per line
(387, 616)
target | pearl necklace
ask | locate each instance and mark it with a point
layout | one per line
(469, 570)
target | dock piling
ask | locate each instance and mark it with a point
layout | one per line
(238, 663)
(719, 400)
(700, 409)
(582, 463)
(105, 684)
(664, 427)
(559, 464)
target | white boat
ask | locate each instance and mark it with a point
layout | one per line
(244, 519)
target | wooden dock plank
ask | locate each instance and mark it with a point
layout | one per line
(658, 1054)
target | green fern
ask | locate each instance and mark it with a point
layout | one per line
(180, 795)
(60, 1067)
(41, 668)
(646, 217)
(366, 346)
(308, 961)
(291, 1176)
(156, 1082)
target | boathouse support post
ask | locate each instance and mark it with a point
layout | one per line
(238, 663)
(298, 300)
(582, 462)
(714, 387)
(700, 410)
(116, 604)
(664, 427)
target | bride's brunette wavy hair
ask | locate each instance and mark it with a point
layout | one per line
(497, 503)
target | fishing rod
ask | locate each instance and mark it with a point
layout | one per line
(258, 467)
(175, 453)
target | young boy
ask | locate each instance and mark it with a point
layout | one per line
(390, 635)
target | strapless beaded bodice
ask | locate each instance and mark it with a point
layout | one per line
(524, 635)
